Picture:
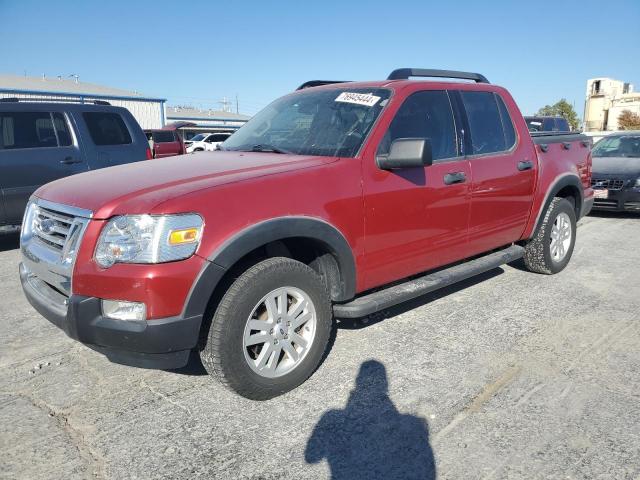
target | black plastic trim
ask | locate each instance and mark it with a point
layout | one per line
(566, 180)
(406, 73)
(540, 138)
(290, 227)
(161, 343)
(376, 301)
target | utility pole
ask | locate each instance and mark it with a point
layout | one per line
(237, 108)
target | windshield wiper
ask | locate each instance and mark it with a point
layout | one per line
(267, 148)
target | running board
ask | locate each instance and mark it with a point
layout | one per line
(376, 301)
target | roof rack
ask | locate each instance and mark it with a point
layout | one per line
(47, 100)
(319, 83)
(405, 73)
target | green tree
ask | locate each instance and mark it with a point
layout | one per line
(629, 120)
(562, 108)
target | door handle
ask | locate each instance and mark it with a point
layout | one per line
(452, 178)
(526, 165)
(70, 161)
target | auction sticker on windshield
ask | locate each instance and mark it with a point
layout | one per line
(358, 98)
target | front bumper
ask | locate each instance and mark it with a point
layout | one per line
(626, 200)
(161, 343)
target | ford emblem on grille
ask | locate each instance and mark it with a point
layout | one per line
(47, 226)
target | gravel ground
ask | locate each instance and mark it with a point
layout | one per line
(510, 375)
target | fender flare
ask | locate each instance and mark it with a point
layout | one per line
(566, 180)
(255, 236)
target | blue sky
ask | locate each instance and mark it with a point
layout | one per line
(197, 52)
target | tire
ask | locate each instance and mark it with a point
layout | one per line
(539, 256)
(225, 354)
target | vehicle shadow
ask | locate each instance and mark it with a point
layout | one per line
(370, 438)
(358, 323)
(9, 241)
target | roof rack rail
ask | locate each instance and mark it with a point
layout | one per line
(9, 99)
(405, 73)
(319, 83)
(101, 102)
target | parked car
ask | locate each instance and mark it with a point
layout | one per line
(547, 124)
(42, 142)
(616, 172)
(337, 200)
(167, 141)
(206, 142)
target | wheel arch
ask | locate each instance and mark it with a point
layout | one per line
(567, 186)
(335, 260)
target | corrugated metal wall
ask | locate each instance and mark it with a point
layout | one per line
(149, 114)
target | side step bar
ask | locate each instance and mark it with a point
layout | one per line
(376, 301)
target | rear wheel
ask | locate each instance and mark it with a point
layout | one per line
(550, 250)
(271, 329)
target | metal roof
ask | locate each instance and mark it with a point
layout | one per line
(184, 113)
(65, 86)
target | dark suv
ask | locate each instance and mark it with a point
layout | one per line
(616, 172)
(41, 142)
(547, 124)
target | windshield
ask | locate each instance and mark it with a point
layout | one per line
(618, 146)
(197, 138)
(331, 122)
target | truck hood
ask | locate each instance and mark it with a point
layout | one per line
(623, 166)
(136, 188)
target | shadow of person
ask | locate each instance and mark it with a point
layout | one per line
(370, 439)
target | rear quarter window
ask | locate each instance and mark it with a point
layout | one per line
(107, 128)
(163, 137)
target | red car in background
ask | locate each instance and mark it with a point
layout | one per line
(167, 141)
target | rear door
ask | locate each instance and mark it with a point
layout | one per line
(36, 147)
(503, 168)
(416, 218)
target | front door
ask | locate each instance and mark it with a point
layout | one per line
(36, 147)
(416, 218)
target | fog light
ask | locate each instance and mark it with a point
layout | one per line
(120, 310)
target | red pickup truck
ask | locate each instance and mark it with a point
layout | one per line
(335, 201)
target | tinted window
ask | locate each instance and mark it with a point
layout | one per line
(62, 129)
(27, 130)
(424, 115)
(507, 124)
(163, 137)
(562, 125)
(218, 138)
(487, 134)
(107, 128)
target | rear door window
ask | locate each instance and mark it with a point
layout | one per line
(163, 137)
(107, 128)
(490, 124)
(27, 130)
(427, 115)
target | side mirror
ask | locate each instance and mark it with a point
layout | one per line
(407, 153)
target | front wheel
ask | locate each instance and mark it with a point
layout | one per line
(271, 329)
(550, 250)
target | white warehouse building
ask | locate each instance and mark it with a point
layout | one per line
(149, 112)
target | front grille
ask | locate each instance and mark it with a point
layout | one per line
(632, 205)
(608, 183)
(52, 228)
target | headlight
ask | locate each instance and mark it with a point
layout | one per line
(637, 184)
(148, 239)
